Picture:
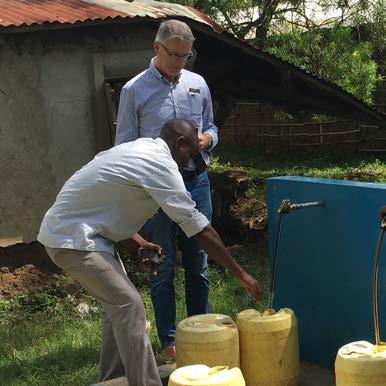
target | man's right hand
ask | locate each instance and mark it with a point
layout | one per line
(209, 240)
(250, 284)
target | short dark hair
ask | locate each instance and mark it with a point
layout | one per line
(175, 128)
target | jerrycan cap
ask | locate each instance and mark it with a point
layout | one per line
(268, 320)
(204, 375)
(361, 351)
(207, 322)
(206, 328)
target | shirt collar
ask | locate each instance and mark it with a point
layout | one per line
(158, 75)
(164, 145)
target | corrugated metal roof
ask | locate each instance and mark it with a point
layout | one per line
(25, 13)
(17, 13)
(217, 27)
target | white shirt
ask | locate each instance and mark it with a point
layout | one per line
(112, 196)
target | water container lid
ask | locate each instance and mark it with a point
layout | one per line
(207, 328)
(267, 321)
(361, 356)
(361, 351)
(203, 375)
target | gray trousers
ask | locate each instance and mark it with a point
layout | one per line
(126, 347)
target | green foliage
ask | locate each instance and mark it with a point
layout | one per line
(259, 167)
(332, 54)
(251, 19)
(324, 47)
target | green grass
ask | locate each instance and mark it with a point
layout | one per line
(259, 167)
(44, 340)
(62, 350)
(226, 296)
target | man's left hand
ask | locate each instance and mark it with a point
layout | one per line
(205, 141)
(149, 261)
(149, 245)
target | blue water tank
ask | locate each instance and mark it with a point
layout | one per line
(326, 259)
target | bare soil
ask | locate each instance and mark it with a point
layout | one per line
(236, 217)
(24, 268)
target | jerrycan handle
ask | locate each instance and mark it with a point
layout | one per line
(226, 321)
(378, 341)
(217, 370)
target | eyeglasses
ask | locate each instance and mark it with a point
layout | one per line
(176, 56)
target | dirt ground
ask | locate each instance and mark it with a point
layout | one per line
(24, 268)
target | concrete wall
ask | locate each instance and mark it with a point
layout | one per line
(53, 116)
(326, 259)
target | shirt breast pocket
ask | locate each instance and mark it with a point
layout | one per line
(196, 110)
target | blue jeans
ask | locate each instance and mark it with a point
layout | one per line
(163, 231)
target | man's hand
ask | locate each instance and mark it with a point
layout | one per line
(150, 258)
(250, 285)
(209, 240)
(142, 243)
(147, 262)
(205, 141)
(382, 212)
(154, 247)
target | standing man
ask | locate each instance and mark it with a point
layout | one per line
(165, 91)
(108, 200)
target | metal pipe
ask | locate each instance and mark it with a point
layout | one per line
(274, 268)
(284, 208)
(378, 341)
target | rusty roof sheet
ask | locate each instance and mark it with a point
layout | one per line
(26, 13)
(17, 13)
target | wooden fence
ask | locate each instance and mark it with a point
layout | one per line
(254, 125)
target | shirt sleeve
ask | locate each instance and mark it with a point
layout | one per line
(127, 120)
(166, 187)
(208, 127)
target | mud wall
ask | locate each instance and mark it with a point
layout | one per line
(53, 116)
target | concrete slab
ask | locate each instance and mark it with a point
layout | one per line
(313, 375)
(164, 372)
(310, 375)
(122, 381)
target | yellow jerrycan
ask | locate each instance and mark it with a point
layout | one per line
(201, 375)
(361, 363)
(269, 347)
(210, 339)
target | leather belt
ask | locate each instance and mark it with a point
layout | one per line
(188, 175)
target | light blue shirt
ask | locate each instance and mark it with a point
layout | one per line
(149, 100)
